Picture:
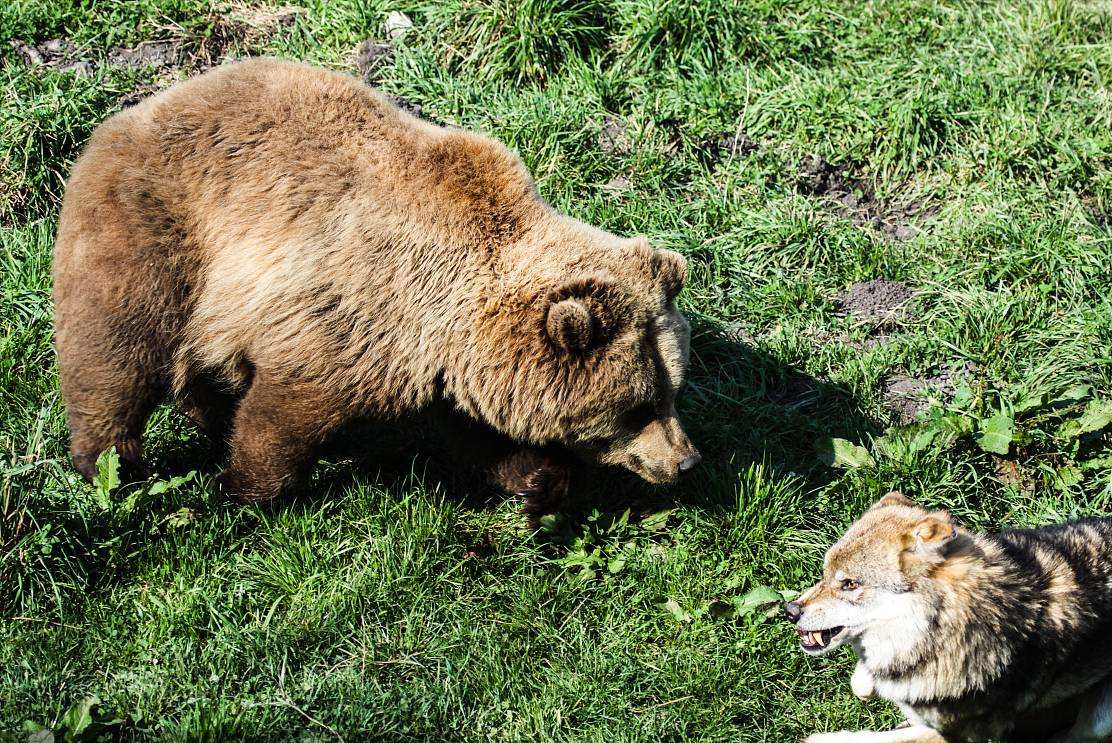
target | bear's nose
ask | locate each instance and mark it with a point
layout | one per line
(689, 462)
(794, 610)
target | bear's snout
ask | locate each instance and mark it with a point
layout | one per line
(662, 452)
(690, 462)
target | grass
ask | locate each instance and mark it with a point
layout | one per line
(387, 605)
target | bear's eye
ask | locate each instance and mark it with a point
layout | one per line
(640, 416)
(849, 584)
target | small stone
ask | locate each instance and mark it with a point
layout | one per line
(904, 232)
(397, 25)
(617, 185)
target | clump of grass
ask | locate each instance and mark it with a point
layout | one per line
(703, 34)
(522, 41)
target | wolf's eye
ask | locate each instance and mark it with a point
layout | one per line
(850, 585)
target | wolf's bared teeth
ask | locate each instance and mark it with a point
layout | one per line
(816, 637)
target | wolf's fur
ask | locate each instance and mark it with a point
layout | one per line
(974, 636)
(282, 250)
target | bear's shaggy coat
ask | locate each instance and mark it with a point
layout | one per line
(282, 251)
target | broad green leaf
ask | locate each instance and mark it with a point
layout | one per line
(108, 476)
(1096, 416)
(762, 599)
(1069, 476)
(80, 714)
(165, 486)
(656, 521)
(180, 518)
(841, 453)
(758, 598)
(996, 433)
(672, 607)
(1028, 402)
(1077, 392)
(1096, 463)
(963, 395)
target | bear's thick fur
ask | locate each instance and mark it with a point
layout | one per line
(282, 251)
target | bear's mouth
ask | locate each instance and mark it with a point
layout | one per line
(818, 641)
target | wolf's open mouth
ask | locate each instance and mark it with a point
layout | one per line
(817, 639)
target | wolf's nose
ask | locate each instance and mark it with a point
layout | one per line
(690, 462)
(793, 610)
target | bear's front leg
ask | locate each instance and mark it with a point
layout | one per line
(277, 427)
(548, 479)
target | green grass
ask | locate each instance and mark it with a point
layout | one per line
(386, 605)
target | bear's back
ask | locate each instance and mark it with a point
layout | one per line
(273, 145)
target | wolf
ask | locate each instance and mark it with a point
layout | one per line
(973, 636)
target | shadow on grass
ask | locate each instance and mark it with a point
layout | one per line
(740, 407)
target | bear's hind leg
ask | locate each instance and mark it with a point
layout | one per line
(107, 406)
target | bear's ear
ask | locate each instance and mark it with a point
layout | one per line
(670, 270)
(569, 324)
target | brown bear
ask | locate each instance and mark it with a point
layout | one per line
(282, 251)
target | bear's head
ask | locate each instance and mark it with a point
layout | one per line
(584, 347)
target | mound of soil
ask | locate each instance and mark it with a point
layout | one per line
(878, 302)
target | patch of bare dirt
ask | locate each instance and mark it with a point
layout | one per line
(725, 144)
(855, 199)
(240, 28)
(372, 58)
(879, 302)
(612, 135)
(55, 54)
(157, 54)
(907, 395)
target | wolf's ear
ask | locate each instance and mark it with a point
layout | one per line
(670, 269)
(934, 531)
(893, 498)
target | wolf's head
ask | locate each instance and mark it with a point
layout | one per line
(868, 593)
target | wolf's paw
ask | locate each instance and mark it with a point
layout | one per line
(842, 736)
(861, 682)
